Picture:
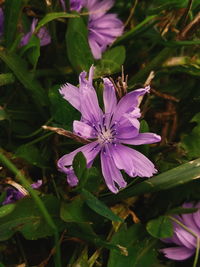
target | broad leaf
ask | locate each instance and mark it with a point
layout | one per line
(111, 61)
(138, 245)
(78, 49)
(160, 227)
(99, 207)
(27, 219)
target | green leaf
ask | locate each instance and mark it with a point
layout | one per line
(6, 78)
(135, 30)
(52, 16)
(74, 211)
(31, 154)
(99, 207)
(32, 50)
(27, 219)
(191, 141)
(12, 13)
(140, 248)
(78, 49)
(18, 66)
(6, 209)
(111, 61)
(177, 176)
(160, 227)
(93, 180)
(80, 166)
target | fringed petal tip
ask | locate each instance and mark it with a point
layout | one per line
(147, 89)
(177, 253)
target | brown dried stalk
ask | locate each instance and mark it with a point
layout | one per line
(66, 133)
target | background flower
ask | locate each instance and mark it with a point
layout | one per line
(42, 34)
(185, 242)
(76, 5)
(13, 194)
(103, 28)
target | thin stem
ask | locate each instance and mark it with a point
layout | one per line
(7, 163)
(131, 13)
(196, 253)
(39, 139)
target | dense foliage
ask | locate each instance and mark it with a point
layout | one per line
(87, 225)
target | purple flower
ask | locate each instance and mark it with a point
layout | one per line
(119, 125)
(14, 194)
(185, 242)
(76, 5)
(63, 4)
(42, 34)
(1, 22)
(103, 28)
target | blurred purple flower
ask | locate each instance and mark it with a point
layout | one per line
(63, 4)
(119, 125)
(1, 22)
(185, 242)
(12, 194)
(42, 34)
(76, 5)
(103, 28)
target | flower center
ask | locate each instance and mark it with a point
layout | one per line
(106, 136)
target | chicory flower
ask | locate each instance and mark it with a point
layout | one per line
(103, 28)
(14, 194)
(185, 242)
(118, 125)
(42, 34)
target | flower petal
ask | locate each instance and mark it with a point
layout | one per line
(36, 184)
(188, 219)
(95, 47)
(142, 138)
(185, 238)
(133, 162)
(177, 253)
(98, 8)
(110, 172)
(109, 97)
(126, 133)
(44, 36)
(90, 151)
(71, 93)
(72, 178)
(90, 109)
(83, 129)
(129, 102)
(25, 39)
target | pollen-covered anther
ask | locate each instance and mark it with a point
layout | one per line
(105, 136)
